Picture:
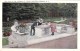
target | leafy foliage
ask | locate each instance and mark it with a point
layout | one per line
(34, 10)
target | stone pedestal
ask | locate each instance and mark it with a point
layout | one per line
(63, 28)
(70, 30)
(42, 30)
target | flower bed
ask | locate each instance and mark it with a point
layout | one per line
(6, 31)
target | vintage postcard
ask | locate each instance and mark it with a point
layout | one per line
(39, 25)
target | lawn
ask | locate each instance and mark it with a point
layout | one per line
(52, 19)
(5, 41)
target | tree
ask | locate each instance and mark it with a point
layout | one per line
(33, 10)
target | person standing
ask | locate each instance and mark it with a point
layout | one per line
(53, 27)
(33, 28)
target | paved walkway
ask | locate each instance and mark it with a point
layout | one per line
(69, 42)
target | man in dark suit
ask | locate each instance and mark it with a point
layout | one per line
(33, 28)
(38, 22)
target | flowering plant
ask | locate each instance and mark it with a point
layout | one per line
(22, 24)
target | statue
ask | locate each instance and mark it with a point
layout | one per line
(18, 38)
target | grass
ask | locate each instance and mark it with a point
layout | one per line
(4, 41)
(52, 19)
